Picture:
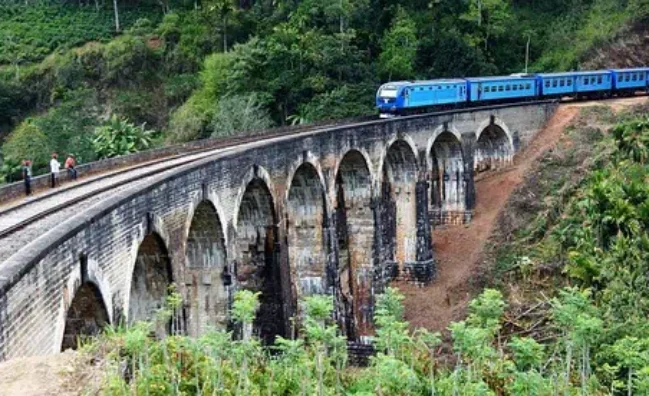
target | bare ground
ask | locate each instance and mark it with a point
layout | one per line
(459, 249)
(64, 374)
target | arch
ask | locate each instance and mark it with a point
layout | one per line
(494, 145)
(406, 143)
(258, 268)
(205, 265)
(256, 172)
(307, 220)
(399, 204)
(355, 238)
(448, 189)
(494, 148)
(438, 131)
(364, 157)
(86, 316)
(152, 276)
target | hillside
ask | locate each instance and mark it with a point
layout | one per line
(209, 68)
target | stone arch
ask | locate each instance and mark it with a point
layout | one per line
(151, 278)
(399, 204)
(307, 220)
(206, 274)
(447, 178)
(86, 316)
(403, 140)
(336, 170)
(258, 267)
(494, 146)
(254, 173)
(355, 239)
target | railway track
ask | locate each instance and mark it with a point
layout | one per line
(23, 222)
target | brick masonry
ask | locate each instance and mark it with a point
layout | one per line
(339, 211)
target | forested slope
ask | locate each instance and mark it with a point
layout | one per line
(191, 69)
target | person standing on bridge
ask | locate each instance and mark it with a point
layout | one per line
(70, 164)
(55, 167)
(27, 176)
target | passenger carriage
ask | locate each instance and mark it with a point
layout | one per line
(490, 89)
(630, 81)
(556, 85)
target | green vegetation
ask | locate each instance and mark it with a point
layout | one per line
(30, 33)
(195, 69)
(406, 363)
(592, 234)
(119, 137)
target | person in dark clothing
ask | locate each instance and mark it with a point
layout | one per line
(27, 176)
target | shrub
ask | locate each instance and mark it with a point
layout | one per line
(119, 137)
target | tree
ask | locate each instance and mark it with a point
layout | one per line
(399, 47)
(491, 18)
(221, 10)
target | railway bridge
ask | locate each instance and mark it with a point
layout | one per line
(339, 211)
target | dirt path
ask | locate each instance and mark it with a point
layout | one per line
(458, 249)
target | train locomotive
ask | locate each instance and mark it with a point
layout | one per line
(413, 97)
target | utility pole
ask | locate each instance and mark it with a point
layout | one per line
(527, 51)
(116, 16)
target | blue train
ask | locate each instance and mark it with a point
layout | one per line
(412, 97)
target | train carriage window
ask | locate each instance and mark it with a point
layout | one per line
(547, 83)
(501, 88)
(627, 78)
(554, 83)
(514, 87)
(599, 79)
(508, 88)
(528, 86)
(586, 81)
(487, 89)
(634, 77)
(562, 83)
(569, 82)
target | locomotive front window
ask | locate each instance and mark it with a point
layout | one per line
(388, 93)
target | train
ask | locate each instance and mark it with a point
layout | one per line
(412, 97)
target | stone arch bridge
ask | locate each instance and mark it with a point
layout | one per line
(339, 211)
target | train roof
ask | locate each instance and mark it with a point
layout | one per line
(573, 74)
(635, 69)
(499, 78)
(425, 82)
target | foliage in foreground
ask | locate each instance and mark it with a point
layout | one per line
(406, 363)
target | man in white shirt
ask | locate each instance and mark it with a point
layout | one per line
(55, 167)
